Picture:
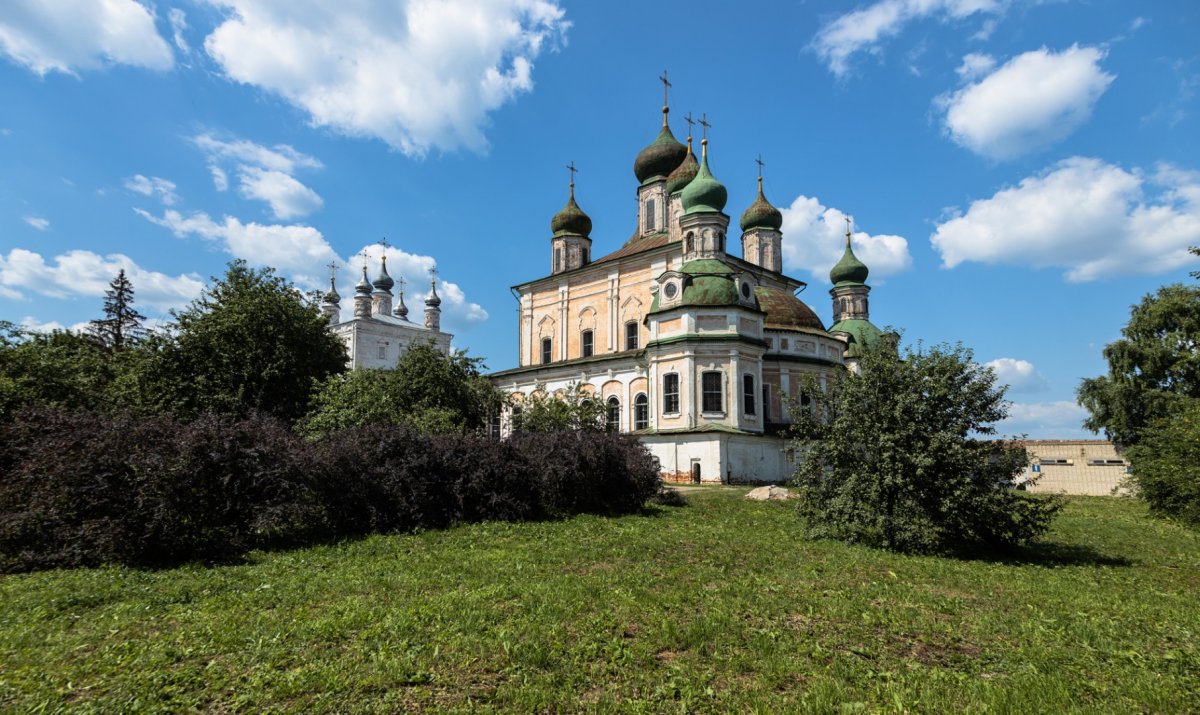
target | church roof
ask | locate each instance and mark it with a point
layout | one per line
(863, 334)
(785, 311)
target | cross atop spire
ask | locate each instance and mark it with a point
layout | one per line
(759, 161)
(690, 122)
(666, 86)
(401, 282)
(383, 242)
(433, 274)
(848, 232)
(332, 266)
(571, 168)
(366, 255)
(704, 123)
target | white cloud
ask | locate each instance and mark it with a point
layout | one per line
(89, 274)
(69, 35)
(1092, 218)
(283, 247)
(33, 325)
(264, 173)
(38, 222)
(220, 179)
(865, 29)
(1019, 375)
(154, 186)
(280, 157)
(975, 64)
(1062, 419)
(1032, 101)
(814, 238)
(178, 21)
(417, 74)
(287, 197)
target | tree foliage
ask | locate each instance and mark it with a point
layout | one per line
(121, 325)
(1165, 464)
(1155, 364)
(427, 391)
(892, 457)
(573, 411)
(250, 342)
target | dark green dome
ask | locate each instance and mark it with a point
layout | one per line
(661, 157)
(704, 194)
(761, 214)
(785, 311)
(684, 173)
(571, 221)
(849, 269)
(711, 283)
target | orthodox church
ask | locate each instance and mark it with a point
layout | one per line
(695, 350)
(378, 334)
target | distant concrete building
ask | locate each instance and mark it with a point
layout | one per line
(1074, 466)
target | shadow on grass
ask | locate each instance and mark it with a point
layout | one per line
(1049, 554)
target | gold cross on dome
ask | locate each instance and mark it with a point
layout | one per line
(571, 168)
(690, 122)
(759, 161)
(666, 86)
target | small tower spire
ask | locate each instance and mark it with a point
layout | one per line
(401, 311)
(571, 168)
(433, 311)
(704, 135)
(332, 305)
(362, 292)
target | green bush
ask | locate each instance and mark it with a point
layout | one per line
(1165, 465)
(892, 457)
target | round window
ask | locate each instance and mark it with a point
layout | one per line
(746, 291)
(670, 290)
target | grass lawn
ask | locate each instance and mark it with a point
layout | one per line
(716, 606)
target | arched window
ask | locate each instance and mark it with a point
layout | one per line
(641, 411)
(748, 394)
(671, 393)
(586, 344)
(613, 421)
(547, 356)
(711, 392)
(687, 243)
(631, 335)
(649, 215)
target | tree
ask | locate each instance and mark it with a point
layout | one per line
(428, 391)
(1165, 464)
(249, 343)
(1154, 365)
(121, 324)
(892, 456)
(573, 411)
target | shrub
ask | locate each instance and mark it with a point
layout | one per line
(1165, 465)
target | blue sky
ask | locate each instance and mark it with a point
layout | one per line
(1019, 173)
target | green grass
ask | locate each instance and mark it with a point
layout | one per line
(717, 606)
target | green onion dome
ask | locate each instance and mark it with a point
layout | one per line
(571, 221)
(384, 281)
(849, 269)
(704, 194)
(684, 173)
(761, 214)
(659, 159)
(710, 282)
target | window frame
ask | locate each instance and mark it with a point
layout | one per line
(612, 422)
(587, 343)
(641, 411)
(671, 396)
(547, 351)
(632, 330)
(707, 392)
(748, 407)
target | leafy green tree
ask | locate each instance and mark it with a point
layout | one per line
(1154, 365)
(250, 342)
(892, 456)
(61, 369)
(1165, 464)
(573, 411)
(428, 391)
(121, 325)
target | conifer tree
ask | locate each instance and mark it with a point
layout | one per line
(121, 325)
